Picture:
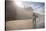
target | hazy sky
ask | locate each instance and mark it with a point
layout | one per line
(38, 7)
(34, 0)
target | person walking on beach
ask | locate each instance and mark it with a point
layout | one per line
(34, 20)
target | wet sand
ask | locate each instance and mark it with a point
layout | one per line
(25, 24)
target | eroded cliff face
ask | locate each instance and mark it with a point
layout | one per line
(14, 12)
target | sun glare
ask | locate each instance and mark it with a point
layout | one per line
(18, 3)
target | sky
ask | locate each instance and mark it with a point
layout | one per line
(38, 7)
(34, 0)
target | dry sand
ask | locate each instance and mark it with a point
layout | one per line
(19, 24)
